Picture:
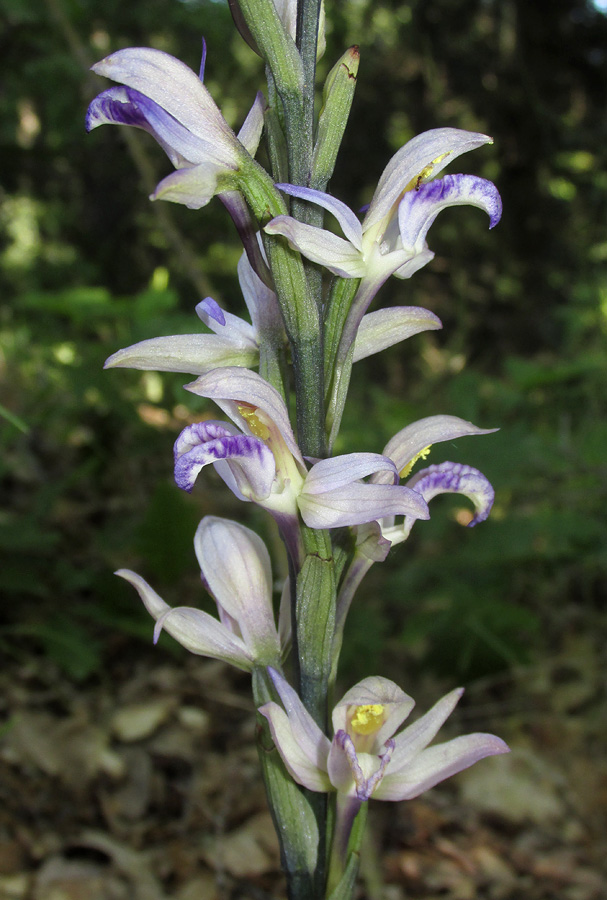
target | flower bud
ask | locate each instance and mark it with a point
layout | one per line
(338, 94)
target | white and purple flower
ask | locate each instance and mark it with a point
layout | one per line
(364, 759)
(233, 342)
(412, 443)
(164, 97)
(392, 236)
(235, 567)
(258, 458)
(391, 239)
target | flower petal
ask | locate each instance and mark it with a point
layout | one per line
(335, 473)
(418, 735)
(357, 503)
(193, 354)
(193, 187)
(371, 691)
(298, 764)
(418, 209)
(175, 88)
(255, 469)
(226, 324)
(115, 106)
(425, 154)
(252, 127)
(350, 225)
(455, 478)
(309, 736)
(337, 255)
(232, 386)
(386, 327)
(411, 440)
(195, 630)
(261, 301)
(236, 567)
(437, 763)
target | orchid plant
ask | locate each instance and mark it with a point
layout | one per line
(308, 292)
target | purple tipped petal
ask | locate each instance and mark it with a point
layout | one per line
(233, 386)
(425, 155)
(199, 433)
(419, 208)
(210, 309)
(455, 478)
(254, 468)
(174, 88)
(115, 107)
(238, 333)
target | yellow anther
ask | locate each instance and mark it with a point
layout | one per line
(368, 718)
(426, 172)
(249, 414)
(421, 455)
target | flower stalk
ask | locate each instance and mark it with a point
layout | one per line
(307, 291)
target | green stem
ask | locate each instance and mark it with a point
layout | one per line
(294, 818)
(350, 820)
(308, 14)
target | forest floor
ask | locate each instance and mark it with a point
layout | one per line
(144, 784)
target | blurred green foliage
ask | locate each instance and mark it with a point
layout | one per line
(88, 265)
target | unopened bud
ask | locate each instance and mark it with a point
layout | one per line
(338, 94)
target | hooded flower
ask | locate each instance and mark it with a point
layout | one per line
(233, 342)
(391, 240)
(235, 567)
(364, 759)
(260, 461)
(164, 97)
(414, 442)
(392, 237)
